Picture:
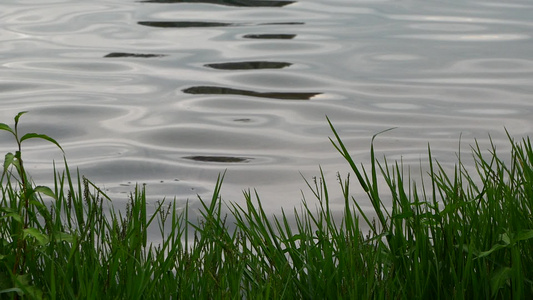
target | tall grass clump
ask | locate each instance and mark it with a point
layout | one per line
(450, 236)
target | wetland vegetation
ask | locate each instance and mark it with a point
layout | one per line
(464, 235)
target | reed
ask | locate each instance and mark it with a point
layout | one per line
(443, 238)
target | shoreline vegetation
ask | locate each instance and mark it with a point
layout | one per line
(443, 238)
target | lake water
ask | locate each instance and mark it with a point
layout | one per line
(171, 93)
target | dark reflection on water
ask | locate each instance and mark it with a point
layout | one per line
(139, 55)
(270, 36)
(244, 3)
(216, 90)
(183, 24)
(219, 159)
(283, 23)
(189, 24)
(249, 65)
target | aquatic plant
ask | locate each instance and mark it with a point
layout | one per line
(443, 238)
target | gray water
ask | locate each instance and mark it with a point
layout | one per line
(172, 93)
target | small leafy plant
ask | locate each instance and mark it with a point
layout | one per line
(24, 207)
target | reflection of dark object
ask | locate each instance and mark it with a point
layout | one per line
(140, 55)
(215, 90)
(283, 23)
(270, 36)
(183, 24)
(249, 65)
(219, 159)
(246, 3)
(189, 24)
(242, 120)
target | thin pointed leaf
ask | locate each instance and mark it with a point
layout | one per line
(344, 152)
(40, 136)
(17, 117)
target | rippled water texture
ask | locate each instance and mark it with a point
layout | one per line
(173, 92)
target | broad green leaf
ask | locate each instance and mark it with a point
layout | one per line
(505, 238)
(499, 279)
(40, 136)
(403, 215)
(5, 282)
(6, 128)
(451, 208)
(45, 190)
(23, 282)
(64, 237)
(12, 159)
(7, 209)
(15, 217)
(494, 248)
(36, 203)
(11, 290)
(33, 292)
(523, 235)
(9, 160)
(294, 238)
(42, 239)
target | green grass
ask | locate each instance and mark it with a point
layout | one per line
(442, 238)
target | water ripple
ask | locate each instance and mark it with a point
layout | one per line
(492, 37)
(171, 93)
